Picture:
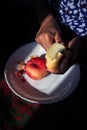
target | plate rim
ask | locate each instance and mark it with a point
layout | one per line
(33, 101)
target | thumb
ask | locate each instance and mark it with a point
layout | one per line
(58, 38)
(67, 61)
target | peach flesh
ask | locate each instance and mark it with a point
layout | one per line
(53, 57)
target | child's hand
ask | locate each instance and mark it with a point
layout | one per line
(48, 33)
(76, 53)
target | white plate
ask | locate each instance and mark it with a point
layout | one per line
(52, 88)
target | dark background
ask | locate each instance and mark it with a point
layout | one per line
(18, 26)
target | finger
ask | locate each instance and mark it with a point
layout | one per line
(58, 38)
(45, 39)
(41, 42)
(67, 61)
(49, 39)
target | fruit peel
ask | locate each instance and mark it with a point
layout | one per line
(36, 68)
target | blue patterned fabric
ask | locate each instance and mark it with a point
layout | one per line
(73, 13)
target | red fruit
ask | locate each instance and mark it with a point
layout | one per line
(36, 68)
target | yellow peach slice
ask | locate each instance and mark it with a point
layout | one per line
(53, 56)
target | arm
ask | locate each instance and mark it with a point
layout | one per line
(48, 33)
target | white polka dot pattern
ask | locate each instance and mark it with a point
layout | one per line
(73, 13)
